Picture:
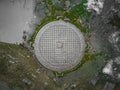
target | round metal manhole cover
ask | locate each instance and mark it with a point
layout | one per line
(59, 46)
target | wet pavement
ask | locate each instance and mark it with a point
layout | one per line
(16, 16)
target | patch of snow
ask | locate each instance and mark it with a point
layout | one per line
(108, 68)
(95, 5)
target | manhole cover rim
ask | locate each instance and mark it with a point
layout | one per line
(37, 52)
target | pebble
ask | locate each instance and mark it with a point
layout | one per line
(11, 62)
(46, 83)
(27, 81)
(33, 75)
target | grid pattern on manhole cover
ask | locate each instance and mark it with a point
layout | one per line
(59, 46)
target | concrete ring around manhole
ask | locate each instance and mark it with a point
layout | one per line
(59, 46)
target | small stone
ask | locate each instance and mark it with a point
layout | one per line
(34, 16)
(46, 83)
(118, 76)
(67, 3)
(11, 57)
(66, 19)
(54, 79)
(73, 85)
(108, 68)
(28, 56)
(65, 85)
(11, 62)
(33, 75)
(38, 70)
(115, 69)
(94, 81)
(27, 81)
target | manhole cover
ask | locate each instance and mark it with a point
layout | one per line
(59, 46)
